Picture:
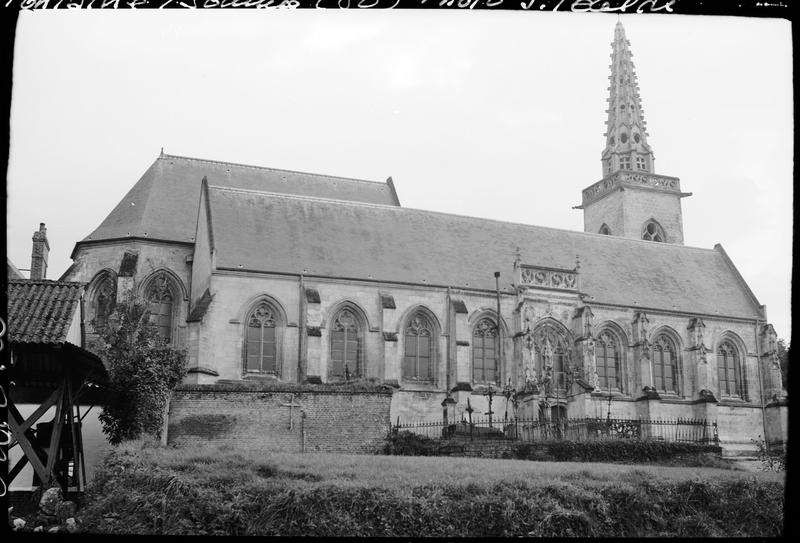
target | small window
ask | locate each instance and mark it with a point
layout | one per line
(640, 163)
(623, 138)
(637, 138)
(605, 230)
(653, 232)
(624, 163)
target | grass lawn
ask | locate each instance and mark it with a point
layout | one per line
(145, 489)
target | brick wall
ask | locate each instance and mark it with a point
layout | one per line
(346, 422)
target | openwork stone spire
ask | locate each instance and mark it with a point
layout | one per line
(626, 137)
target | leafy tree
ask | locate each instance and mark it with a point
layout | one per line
(783, 357)
(142, 370)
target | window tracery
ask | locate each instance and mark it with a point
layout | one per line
(605, 230)
(418, 357)
(104, 301)
(729, 371)
(160, 296)
(665, 365)
(484, 352)
(608, 362)
(653, 232)
(346, 351)
(260, 340)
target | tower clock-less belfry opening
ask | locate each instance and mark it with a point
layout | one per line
(274, 276)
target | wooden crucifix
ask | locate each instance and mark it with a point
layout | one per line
(291, 405)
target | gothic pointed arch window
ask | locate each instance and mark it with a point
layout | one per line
(484, 352)
(161, 296)
(418, 357)
(729, 371)
(665, 365)
(103, 301)
(652, 231)
(608, 356)
(346, 346)
(605, 230)
(552, 355)
(260, 348)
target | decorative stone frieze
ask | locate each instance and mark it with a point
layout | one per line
(552, 278)
(630, 179)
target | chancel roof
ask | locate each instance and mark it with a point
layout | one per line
(163, 203)
(266, 232)
(41, 311)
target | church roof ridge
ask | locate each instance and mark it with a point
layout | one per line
(454, 215)
(269, 168)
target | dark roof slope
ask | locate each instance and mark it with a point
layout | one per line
(163, 203)
(269, 232)
(41, 311)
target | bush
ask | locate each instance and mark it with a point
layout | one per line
(411, 444)
(622, 450)
(142, 370)
(770, 461)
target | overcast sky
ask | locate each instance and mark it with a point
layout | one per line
(488, 114)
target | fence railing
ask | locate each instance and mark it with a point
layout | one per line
(573, 429)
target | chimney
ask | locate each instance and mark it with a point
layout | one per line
(41, 248)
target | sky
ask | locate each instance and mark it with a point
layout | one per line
(487, 114)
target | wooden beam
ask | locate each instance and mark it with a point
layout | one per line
(41, 410)
(55, 438)
(13, 472)
(25, 443)
(75, 452)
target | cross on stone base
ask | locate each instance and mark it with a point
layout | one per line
(291, 405)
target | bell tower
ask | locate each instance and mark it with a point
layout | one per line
(630, 200)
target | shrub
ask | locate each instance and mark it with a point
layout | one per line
(142, 370)
(770, 461)
(411, 444)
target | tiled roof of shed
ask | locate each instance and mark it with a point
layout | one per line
(277, 233)
(163, 203)
(41, 311)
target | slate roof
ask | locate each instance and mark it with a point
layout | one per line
(277, 233)
(41, 311)
(163, 203)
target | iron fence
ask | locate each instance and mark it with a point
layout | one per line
(574, 429)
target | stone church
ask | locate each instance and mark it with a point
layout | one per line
(262, 273)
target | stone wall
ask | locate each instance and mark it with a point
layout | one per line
(345, 422)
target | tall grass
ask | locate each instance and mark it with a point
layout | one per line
(145, 489)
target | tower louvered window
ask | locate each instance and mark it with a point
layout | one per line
(418, 357)
(652, 232)
(484, 352)
(665, 365)
(345, 346)
(260, 341)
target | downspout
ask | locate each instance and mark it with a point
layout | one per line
(761, 389)
(450, 336)
(83, 322)
(302, 366)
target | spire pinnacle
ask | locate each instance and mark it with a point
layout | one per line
(626, 135)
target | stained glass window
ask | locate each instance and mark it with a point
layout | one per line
(728, 370)
(418, 357)
(345, 346)
(160, 297)
(260, 344)
(484, 352)
(665, 365)
(609, 371)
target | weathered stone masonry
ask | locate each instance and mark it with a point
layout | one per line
(344, 422)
